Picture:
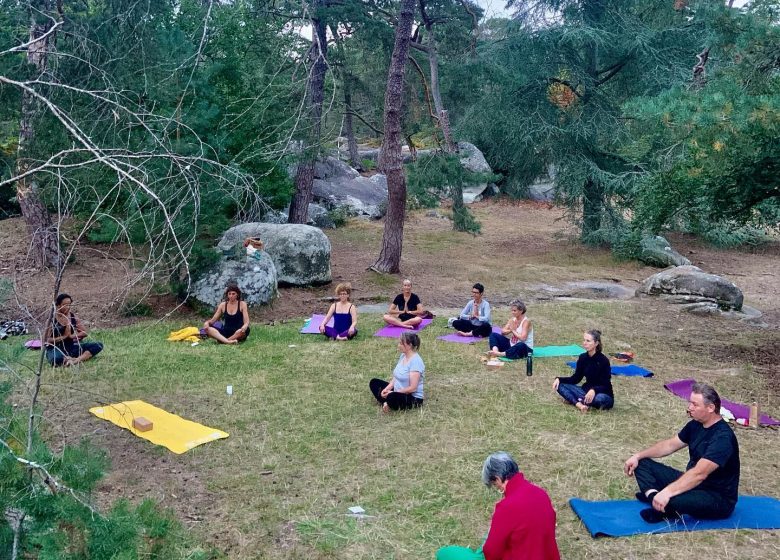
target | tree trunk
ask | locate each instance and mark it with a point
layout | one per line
(304, 177)
(390, 158)
(592, 208)
(349, 129)
(44, 239)
(441, 113)
(593, 191)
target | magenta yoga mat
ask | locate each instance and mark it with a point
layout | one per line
(390, 331)
(453, 337)
(682, 389)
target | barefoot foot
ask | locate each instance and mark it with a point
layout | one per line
(385, 408)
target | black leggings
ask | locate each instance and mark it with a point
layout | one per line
(464, 325)
(699, 503)
(396, 401)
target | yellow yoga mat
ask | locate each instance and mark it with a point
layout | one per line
(171, 431)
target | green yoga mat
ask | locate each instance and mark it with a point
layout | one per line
(554, 351)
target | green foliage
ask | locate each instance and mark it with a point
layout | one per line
(712, 155)
(464, 220)
(339, 215)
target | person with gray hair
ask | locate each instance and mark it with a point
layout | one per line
(517, 336)
(709, 487)
(523, 524)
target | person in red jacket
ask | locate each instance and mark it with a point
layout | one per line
(523, 524)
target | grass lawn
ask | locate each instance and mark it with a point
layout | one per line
(307, 441)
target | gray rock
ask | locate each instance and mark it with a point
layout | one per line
(656, 251)
(318, 217)
(472, 160)
(256, 278)
(692, 281)
(333, 167)
(276, 216)
(543, 187)
(599, 290)
(360, 195)
(301, 253)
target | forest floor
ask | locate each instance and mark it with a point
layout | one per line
(306, 442)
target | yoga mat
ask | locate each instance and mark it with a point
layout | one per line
(556, 351)
(171, 431)
(312, 326)
(33, 344)
(682, 388)
(391, 331)
(465, 339)
(629, 370)
(620, 518)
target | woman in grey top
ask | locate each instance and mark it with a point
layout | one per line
(405, 390)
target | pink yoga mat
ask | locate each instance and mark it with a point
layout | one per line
(34, 344)
(465, 339)
(682, 388)
(395, 332)
(313, 326)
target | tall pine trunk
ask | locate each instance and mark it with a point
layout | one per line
(315, 91)
(390, 158)
(44, 241)
(346, 86)
(593, 190)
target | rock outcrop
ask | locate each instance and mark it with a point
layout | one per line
(689, 284)
(301, 253)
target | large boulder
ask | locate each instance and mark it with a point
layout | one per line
(473, 160)
(657, 251)
(543, 187)
(361, 196)
(690, 284)
(256, 276)
(318, 217)
(300, 253)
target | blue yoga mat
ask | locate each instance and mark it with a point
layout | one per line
(629, 371)
(620, 518)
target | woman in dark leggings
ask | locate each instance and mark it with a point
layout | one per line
(64, 338)
(235, 319)
(405, 390)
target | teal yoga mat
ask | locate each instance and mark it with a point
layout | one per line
(552, 352)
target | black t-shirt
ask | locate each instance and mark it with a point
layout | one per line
(719, 445)
(414, 301)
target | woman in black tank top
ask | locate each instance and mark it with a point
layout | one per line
(234, 313)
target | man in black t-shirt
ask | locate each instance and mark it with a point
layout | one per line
(708, 488)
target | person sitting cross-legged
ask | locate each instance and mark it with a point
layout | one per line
(344, 315)
(594, 366)
(234, 313)
(520, 332)
(64, 338)
(709, 487)
(474, 320)
(406, 311)
(405, 390)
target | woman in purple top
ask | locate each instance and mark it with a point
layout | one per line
(594, 366)
(344, 316)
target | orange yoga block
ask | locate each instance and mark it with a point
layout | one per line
(142, 424)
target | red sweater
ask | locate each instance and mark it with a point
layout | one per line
(523, 524)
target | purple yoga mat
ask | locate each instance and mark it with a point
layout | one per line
(465, 339)
(682, 388)
(313, 326)
(395, 332)
(34, 344)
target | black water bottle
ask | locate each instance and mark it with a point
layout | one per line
(529, 363)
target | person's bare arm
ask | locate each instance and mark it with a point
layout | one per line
(660, 449)
(217, 314)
